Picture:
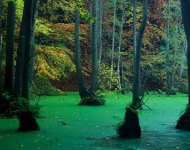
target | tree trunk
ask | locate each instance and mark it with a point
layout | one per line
(20, 52)
(168, 75)
(94, 75)
(183, 60)
(80, 78)
(87, 97)
(27, 119)
(119, 48)
(1, 11)
(136, 84)
(100, 19)
(9, 77)
(27, 51)
(32, 54)
(27, 122)
(113, 44)
(134, 28)
(1, 73)
(130, 128)
(184, 120)
(20, 56)
(185, 9)
(176, 47)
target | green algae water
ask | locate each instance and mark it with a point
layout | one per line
(67, 126)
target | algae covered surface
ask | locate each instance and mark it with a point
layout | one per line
(67, 126)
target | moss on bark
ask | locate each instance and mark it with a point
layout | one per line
(91, 101)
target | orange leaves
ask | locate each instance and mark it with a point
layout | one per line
(62, 27)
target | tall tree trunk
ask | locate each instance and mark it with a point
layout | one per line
(185, 9)
(176, 46)
(94, 81)
(130, 128)
(1, 73)
(20, 52)
(184, 120)
(181, 67)
(80, 78)
(88, 97)
(32, 54)
(27, 120)
(100, 19)
(1, 11)
(90, 25)
(9, 77)
(168, 76)
(27, 50)
(119, 48)
(134, 28)
(113, 44)
(136, 84)
(20, 56)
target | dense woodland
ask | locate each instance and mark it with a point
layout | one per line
(51, 46)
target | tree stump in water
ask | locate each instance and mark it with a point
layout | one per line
(27, 122)
(130, 128)
(183, 122)
(91, 101)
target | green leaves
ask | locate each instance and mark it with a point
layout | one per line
(6, 95)
(83, 12)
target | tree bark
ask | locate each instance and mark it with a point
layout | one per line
(1, 11)
(176, 47)
(134, 28)
(119, 49)
(32, 54)
(27, 51)
(94, 80)
(113, 44)
(168, 75)
(185, 9)
(130, 128)
(184, 120)
(9, 77)
(80, 78)
(100, 19)
(20, 56)
(136, 84)
(27, 119)
(1, 73)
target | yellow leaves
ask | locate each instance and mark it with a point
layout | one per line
(53, 62)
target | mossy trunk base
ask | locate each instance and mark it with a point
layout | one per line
(130, 128)
(91, 101)
(184, 121)
(27, 122)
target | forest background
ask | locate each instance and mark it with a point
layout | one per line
(47, 46)
(163, 61)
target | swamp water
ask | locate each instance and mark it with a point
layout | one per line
(66, 126)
